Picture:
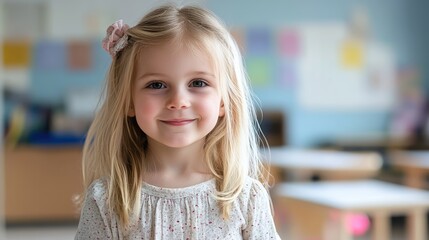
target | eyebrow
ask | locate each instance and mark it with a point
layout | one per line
(150, 75)
(154, 74)
(202, 73)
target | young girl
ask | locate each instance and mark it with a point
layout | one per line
(173, 151)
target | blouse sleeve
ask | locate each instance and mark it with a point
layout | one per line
(93, 223)
(260, 222)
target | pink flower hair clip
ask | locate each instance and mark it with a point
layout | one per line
(116, 38)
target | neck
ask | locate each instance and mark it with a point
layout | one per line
(176, 167)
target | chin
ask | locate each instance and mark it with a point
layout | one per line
(177, 144)
(181, 143)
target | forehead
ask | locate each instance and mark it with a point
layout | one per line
(174, 56)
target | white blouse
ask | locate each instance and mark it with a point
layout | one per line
(181, 213)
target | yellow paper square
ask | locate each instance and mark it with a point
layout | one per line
(16, 54)
(352, 55)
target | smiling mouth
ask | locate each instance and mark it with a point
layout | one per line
(178, 122)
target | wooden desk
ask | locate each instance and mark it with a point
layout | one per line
(415, 165)
(307, 203)
(40, 183)
(327, 164)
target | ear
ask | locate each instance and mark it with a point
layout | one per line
(221, 110)
(131, 112)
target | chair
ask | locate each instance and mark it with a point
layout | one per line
(414, 165)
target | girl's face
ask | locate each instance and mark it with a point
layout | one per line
(176, 99)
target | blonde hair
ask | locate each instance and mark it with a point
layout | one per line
(115, 147)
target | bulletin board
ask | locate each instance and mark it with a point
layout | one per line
(337, 72)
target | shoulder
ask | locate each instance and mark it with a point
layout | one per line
(95, 221)
(253, 191)
(254, 200)
(97, 192)
(252, 185)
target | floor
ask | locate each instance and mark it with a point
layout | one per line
(66, 232)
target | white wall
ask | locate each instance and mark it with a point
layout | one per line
(95, 15)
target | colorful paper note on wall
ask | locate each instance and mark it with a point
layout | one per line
(289, 43)
(288, 73)
(259, 41)
(16, 54)
(352, 55)
(80, 55)
(50, 55)
(238, 36)
(260, 71)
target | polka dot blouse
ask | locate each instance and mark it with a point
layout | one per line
(181, 213)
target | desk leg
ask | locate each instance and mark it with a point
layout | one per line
(344, 232)
(381, 226)
(417, 225)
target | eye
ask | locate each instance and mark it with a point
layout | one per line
(156, 85)
(198, 83)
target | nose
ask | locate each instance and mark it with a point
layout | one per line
(178, 99)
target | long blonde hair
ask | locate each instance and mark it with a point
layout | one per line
(115, 147)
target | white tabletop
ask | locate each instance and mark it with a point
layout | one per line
(355, 195)
(320, 159)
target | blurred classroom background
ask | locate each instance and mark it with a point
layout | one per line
(343, 87)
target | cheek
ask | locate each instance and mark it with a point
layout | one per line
(145, 108)
(210, 108)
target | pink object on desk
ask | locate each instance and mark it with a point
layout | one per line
(358, 223)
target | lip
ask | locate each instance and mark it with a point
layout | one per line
(178, 122)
